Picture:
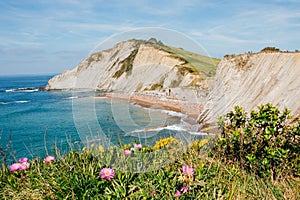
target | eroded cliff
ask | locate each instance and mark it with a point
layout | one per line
(130, 66)
(249, 80)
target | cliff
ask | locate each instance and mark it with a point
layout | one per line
(137, 65)
(249, 80)
(246, 80)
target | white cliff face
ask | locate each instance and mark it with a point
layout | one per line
(127, 67)
(250, 80)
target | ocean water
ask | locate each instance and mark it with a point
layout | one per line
(35, 121)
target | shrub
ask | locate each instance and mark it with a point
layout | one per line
(165, 143)
(266, 142)
(156, 86)
(270, 49)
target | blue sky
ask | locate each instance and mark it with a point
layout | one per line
(40, 37)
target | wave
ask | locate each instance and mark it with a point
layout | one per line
(199, 133)
(150, 129)
(182, 127)
(168, 112)
(22, 90)
(22, 101)
(13, 102)
(73, 97)
(174, 127)
(174, 113)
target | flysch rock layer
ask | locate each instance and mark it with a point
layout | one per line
(249, 80)
(246, 80)
(150, 67)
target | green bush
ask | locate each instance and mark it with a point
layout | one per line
(265, 142)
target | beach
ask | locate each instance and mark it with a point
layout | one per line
(161, 100)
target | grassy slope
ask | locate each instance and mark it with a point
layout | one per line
(194, 62)
(205, 65)
(76, 176)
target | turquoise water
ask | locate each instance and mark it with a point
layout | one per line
(38, 120)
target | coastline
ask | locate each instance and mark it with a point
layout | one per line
(159, 100)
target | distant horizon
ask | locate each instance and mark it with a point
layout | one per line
(20, 75)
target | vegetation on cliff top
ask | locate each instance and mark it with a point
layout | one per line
(206, 66)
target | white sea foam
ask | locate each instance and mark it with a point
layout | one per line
(22, 90)
(29, 90)
(73, 97)
(22, 101)
(174, 127)
(149, 132)
(173, 113)
(150, 129)
(177, 127)
(10, 90)
(12, 102)
(198, 133)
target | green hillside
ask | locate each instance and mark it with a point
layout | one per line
(203, 64)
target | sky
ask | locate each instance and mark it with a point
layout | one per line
(48, 37)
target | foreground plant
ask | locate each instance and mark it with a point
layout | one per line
(22, 165)
(107, 173)
(49, 159)
(195, 174)
(266, 141)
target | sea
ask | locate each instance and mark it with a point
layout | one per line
(35, 123)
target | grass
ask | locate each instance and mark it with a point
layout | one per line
(205, 65)
(76, 176)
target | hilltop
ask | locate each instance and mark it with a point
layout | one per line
(138, 65)
(202, 86)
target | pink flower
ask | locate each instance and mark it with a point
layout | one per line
(24, 166)
(153, 192)
(107, 173)
(184, 189)
(138, 146)
(49, 159)
(22, 160)
(127, 152)
(187, 170)
(15, 167)
(177, 194)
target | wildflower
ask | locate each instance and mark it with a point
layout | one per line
(184, 189)
(24, 166)
(107, 173)
(153, 192)
(101, 148)
(22, 160)
(49, 159)
(187, 170)
(177, 194)
(127, 152)
(138, 146)
(14, 167)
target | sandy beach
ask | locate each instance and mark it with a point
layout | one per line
(161, 101)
